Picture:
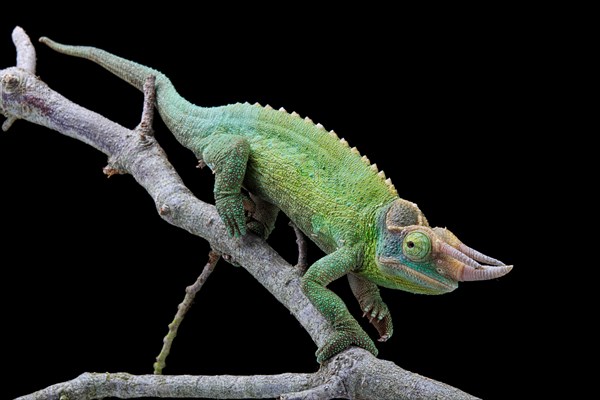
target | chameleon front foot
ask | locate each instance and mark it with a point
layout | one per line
(379, 316)
(374, 308)
(344, 338)
(231, 211)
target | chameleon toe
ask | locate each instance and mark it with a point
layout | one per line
(342, 340)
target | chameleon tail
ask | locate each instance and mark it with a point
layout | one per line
(170, 104)
(129, 71)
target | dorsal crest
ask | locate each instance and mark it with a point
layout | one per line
(353, 150)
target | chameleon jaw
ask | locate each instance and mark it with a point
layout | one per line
(427, 283)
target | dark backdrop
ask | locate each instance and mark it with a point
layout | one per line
(92, 276)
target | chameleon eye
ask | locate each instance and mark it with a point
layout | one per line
(416, 246)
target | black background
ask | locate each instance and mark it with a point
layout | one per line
(92, 276)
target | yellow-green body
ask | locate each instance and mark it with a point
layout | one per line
(311, 175)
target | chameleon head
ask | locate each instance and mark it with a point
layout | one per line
(413, 257)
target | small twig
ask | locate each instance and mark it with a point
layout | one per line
(26, 60)
(8, 123)
(182, 309)
(145, 126)
(301, 241)
(25, 50)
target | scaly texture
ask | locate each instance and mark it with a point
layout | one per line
(336, 197)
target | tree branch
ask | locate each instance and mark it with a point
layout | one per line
(182, 309)
(354, 373)
(125, 386)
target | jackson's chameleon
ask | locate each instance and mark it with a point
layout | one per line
(336, 197)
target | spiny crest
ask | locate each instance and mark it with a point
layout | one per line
(388, 182)
(354, 150)
(372, 167)
(344, 142)
(391, 186)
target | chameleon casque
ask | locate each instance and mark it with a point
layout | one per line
(335, 196)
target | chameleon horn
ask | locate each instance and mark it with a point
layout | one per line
(472, 270)
(477, 256)
(484, 273)
(462, 257)
(449, 238)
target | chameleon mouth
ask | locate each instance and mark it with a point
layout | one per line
(393, 267)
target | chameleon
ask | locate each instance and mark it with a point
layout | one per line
(280, 161)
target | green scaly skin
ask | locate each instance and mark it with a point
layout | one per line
(335, 196)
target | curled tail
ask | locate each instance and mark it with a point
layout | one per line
(129, 71)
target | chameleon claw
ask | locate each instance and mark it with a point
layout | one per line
(384, 338)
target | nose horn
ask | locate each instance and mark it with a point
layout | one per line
(484, 272)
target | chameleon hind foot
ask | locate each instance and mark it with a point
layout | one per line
(345, 337)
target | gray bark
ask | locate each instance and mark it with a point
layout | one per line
(353, 374)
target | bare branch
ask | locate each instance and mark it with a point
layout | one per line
(90, 386)
(182, 309)
(353, 374)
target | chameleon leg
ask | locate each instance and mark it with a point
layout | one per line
(227, 156)
(367, 294)
(263, 218)
(314, 282)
